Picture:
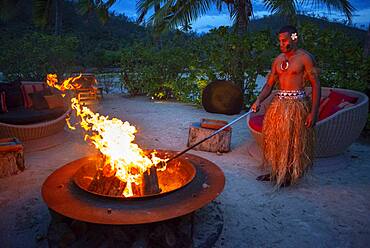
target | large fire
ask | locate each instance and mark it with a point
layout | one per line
(114, 139)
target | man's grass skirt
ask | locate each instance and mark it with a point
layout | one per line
(288, 143)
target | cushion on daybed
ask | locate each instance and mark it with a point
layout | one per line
(38, 99)
(3, 107)
(54, 101)
(22, 116)
(13, 94)
(28, 88)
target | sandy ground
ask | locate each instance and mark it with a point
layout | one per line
(329, 208)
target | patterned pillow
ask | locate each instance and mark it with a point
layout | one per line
(55, 101)
(3, 107)
(28, 88)
(38, 100)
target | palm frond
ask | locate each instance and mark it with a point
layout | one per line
(343, 6)
(101, 8)
(281, 7)
(177, 13)
(41, 10)
(8, 9)
(85, 6)
(289, 7)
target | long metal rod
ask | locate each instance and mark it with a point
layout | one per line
(213, 134)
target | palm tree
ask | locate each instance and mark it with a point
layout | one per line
(176, 13)
(44, 9)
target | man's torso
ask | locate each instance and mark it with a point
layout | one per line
(292, 77)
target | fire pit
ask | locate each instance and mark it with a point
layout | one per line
(62, 195)
(177, 174)
(67, 200)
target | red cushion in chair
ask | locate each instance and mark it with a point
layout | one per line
(328, 110)
(256, 122)
(337, 97)
(331, 104)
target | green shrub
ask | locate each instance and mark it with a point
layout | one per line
(35, 54)
(339, 57)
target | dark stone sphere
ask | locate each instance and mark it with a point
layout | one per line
(222, 97)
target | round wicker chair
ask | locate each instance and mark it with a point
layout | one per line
(335, 133)
(34, 131)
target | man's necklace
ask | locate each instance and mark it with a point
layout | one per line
(285, 64)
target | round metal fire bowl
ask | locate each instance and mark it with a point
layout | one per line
(179, 172)
(64, 197)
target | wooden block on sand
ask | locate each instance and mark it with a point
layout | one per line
(218, 143)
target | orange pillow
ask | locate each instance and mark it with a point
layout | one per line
(54, 101)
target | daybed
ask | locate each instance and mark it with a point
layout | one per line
(335, 133)
(28, 120)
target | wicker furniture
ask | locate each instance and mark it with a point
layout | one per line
(33, 131)
(335, 133)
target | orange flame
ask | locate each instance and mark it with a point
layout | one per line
(114, 139)
(68, 84)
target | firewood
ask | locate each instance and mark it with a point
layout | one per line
(149, 184)
(100, 184)
(113, 186)
(136, 189)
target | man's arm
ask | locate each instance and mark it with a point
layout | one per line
(267, 88)
(313, 76)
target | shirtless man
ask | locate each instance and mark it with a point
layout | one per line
(289, 121)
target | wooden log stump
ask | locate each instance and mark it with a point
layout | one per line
(11, 157)
(218, 143)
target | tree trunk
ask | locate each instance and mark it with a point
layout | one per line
(156, 35)
(58, 17)
(367, 43)
(244, 11)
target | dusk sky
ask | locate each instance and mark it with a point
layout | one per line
(361, 17)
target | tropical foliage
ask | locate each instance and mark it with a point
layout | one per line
(35, 54)
(339, 57)
(183, 73)
(183, 65)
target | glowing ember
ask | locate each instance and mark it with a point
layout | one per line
(114, 139)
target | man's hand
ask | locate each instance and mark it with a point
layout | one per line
(256, 106)
(311, 120)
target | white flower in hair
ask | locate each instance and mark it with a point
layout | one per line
(294, 36)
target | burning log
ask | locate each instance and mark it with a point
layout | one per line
(107, 183)
(149, 182)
